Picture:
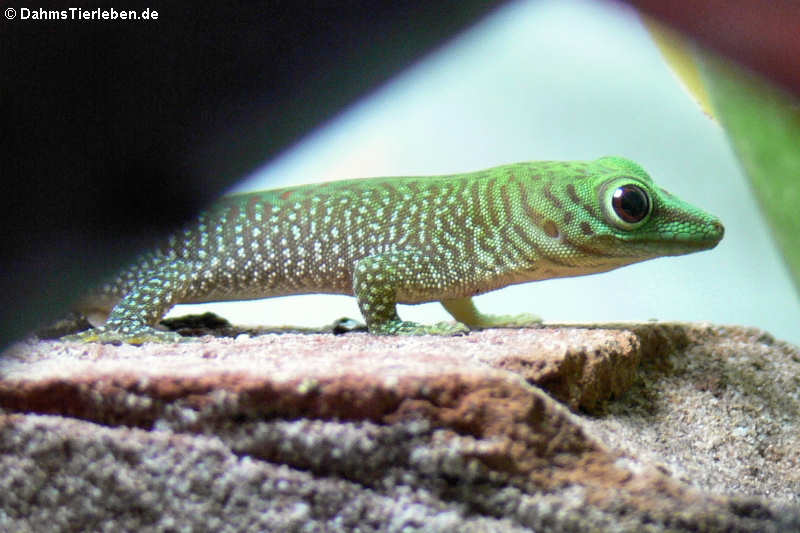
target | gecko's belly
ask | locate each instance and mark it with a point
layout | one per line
(223, 293)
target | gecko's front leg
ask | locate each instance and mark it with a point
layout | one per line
(378, 279)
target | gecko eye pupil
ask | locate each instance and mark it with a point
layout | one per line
(631, 203)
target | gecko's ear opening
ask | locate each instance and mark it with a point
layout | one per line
(623, 164)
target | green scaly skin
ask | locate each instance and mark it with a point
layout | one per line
(407, 240)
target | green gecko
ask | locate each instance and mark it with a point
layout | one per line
(406, 240)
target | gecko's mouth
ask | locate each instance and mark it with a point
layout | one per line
(670, 247)
(707, 236)
(631, 251)
(709, 240)
(679, 243)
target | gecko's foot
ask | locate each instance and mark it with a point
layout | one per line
(401, 327)
(137, 336)
(523, 320)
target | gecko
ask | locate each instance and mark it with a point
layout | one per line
(405, 240)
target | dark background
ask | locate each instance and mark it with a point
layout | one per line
(114, 131)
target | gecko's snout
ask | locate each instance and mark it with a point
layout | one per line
(714, 233)
(719, 229)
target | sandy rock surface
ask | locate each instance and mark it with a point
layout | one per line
(634, 427)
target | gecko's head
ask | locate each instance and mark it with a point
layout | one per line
(625, 218)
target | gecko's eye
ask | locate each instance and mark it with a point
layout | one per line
(626, 203)
(631, 203)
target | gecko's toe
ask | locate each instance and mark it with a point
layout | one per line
(136, 337)
(402, 327)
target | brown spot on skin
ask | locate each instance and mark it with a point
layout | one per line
(286, 194)
(589, 209)
(568, 216)
(522, 248)
(551, 197)
(504, 197)
(573, 194)
(526, 205)
(231, 216)
(586, 229)
(251, 206)
(494, 216)
(551, 229)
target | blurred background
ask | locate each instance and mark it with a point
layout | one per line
(114, 132)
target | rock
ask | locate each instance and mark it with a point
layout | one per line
(694, 428)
